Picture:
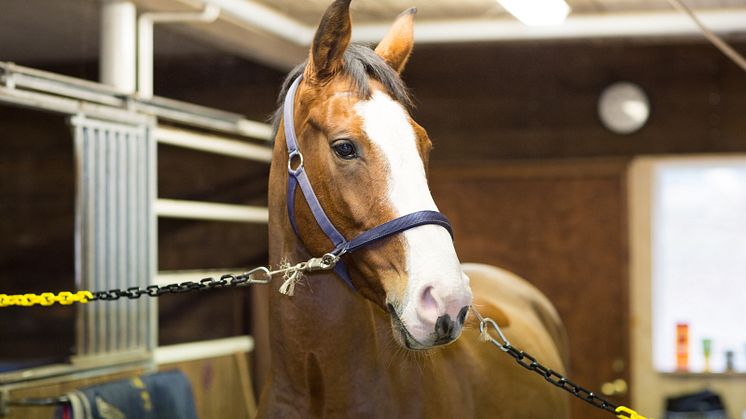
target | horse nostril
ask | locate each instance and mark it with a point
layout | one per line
(428, 307)
(444, 327)
(462, 315)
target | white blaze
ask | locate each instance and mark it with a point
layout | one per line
(431, 257)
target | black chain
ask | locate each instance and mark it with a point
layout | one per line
(225, 281)
(530, 363)
(260, 275)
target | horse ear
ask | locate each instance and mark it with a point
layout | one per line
(330, 42)
(397, 45)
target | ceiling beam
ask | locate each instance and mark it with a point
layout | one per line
(244, 28)
(257, 32)
(617, 25)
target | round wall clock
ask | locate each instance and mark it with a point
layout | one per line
(623, 107)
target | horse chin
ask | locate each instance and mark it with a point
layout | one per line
(403, 337)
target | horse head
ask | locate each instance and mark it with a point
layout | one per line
(367, 159)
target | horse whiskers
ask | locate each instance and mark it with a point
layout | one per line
(394, 352)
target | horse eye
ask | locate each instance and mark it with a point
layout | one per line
(345, 149)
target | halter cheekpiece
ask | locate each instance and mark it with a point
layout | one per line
(297, 177)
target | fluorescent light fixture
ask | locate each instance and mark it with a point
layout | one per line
(537, 12)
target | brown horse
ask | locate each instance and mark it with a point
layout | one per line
(387, 348)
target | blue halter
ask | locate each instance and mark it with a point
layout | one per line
(297, 177)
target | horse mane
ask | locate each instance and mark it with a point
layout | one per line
(360, 63)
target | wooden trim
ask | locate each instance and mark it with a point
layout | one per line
(193, 351)
(649, 396)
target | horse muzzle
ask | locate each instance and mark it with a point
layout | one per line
(443, 331)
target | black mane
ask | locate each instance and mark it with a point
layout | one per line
(360, 64)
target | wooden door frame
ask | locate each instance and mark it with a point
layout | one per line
(648, 397)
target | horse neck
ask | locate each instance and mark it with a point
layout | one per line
(327, 336)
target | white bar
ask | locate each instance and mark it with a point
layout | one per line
(145, 24)
(200, 118)
(194, 351)
(263, 18)
(255, 129)
(117, 50)
(172, 208)
(652, 24)
(213, 144)
(40, 84)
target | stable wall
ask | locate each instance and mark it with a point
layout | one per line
(538, 101)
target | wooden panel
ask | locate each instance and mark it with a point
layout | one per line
(201, 316)
(561, 226)
(220, 386)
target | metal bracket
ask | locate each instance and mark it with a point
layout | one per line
(7, 76)
(4, 402)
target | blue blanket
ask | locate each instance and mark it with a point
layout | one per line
(164, 395)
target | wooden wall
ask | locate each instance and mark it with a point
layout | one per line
(37, 205)
(561, 226)
(538, 101)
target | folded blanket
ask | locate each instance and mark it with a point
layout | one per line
(164, 395)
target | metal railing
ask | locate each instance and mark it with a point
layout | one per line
(115, 136)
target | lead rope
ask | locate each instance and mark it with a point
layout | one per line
(530, 363)
(293, 274)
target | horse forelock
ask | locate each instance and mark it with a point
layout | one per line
(360, 65)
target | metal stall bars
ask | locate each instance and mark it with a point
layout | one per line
(115, 136)
(115, 236)
(217, 145)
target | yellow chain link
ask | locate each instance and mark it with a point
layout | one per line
(630, 414)
(45, 298)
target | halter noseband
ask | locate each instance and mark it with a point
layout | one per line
(297, 177)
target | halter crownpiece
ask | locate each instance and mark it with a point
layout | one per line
(298, 177)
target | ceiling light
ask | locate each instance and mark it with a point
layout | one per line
(537, 12)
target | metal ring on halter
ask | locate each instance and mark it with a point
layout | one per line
(291, 157)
